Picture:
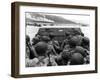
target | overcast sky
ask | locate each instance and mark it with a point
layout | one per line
(76, 18)
(85, 19)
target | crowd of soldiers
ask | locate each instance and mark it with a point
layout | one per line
(46, 51)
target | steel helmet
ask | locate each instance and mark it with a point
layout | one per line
(27, 38)
(66, 55)
(85, 40)
(76, 59)
(45, 38)
(35, 40)
(41, 48)
(75, 40)
(81, 50)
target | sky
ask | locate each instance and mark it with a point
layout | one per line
(79, 18)
(76, 18)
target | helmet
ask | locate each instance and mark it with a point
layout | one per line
(35, 40)
(41, 48)
(81, 50)
(27, 38)
(85, 40)
(67, 33)
(77, 31)
(76, 59)
(45, 38)
(65, 55)
(51, 35)
(75, 40)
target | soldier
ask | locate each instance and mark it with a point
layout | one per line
(54, 44)
(30, 49)
(44, 57)
(66, 41)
